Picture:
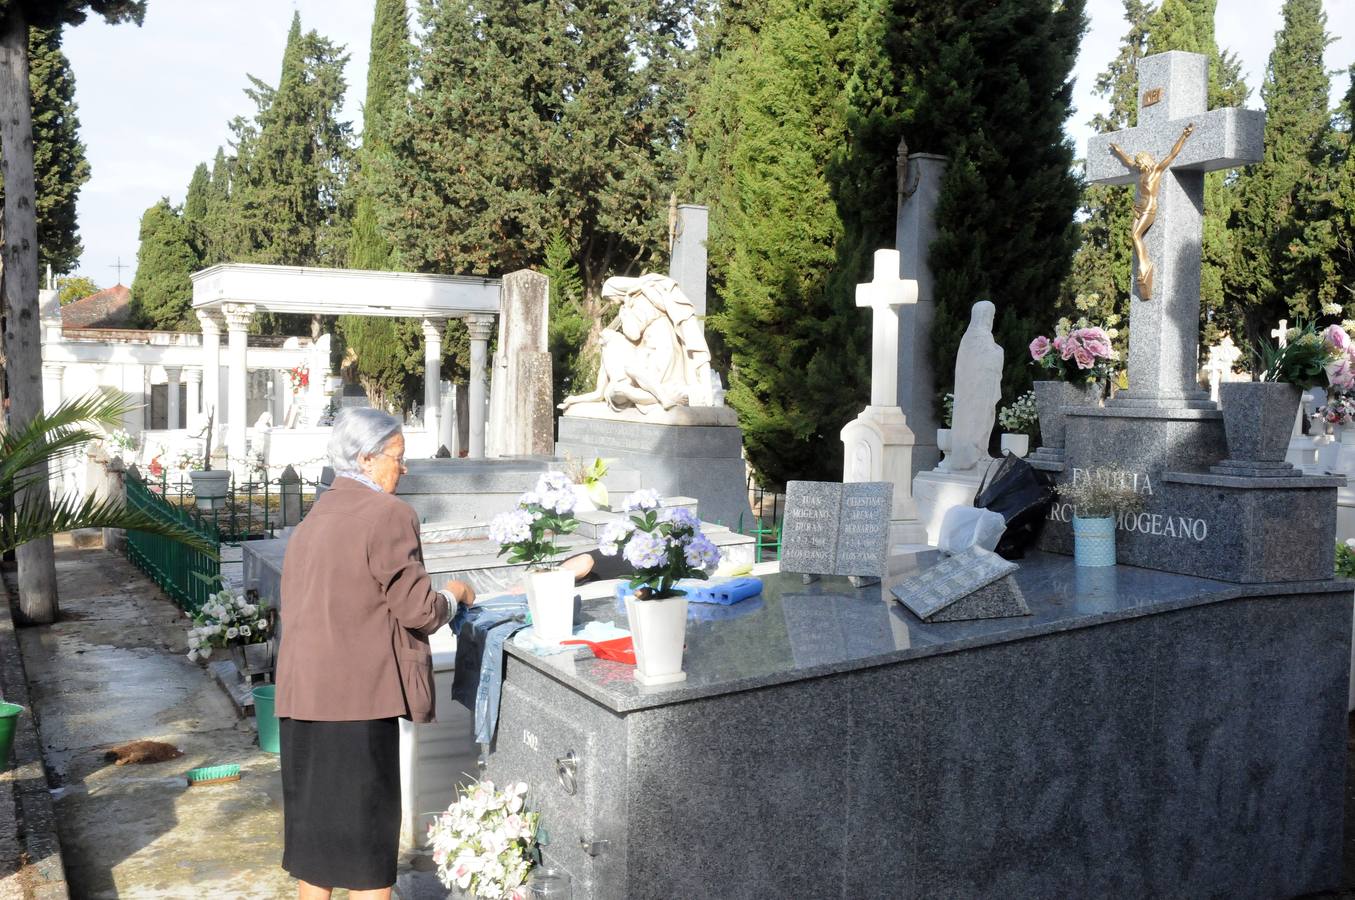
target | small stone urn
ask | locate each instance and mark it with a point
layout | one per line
(1258, 418)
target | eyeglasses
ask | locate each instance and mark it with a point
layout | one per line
(399, 460)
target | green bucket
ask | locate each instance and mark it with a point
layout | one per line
(266, 718)
(9, 720)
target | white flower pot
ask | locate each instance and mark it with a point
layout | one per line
(1017, 444)
(943, 444)
(658, 630)
(582, 502)
(550, 597)
(210, 485)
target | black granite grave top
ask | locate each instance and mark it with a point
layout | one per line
(794, 631)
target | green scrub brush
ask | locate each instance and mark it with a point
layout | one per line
(213, 774)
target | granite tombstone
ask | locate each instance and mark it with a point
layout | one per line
(837, 529)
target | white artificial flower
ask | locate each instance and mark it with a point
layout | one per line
(245, 631)
(262, 624)
(193, 655)
(205, 653)
(232, 633)
(249, 609)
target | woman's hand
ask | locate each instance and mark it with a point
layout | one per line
(464, 593)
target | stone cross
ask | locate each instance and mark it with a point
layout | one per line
(1164, 331)
(884, 295)
(1281, 334)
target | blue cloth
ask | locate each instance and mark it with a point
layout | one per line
(481, 631)
(724, 591)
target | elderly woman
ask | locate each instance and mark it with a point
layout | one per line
(357, 607)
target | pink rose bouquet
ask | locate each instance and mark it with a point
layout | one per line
(1077, 353)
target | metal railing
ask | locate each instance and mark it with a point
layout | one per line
(769, 507)
(252, 509)
(185, 574)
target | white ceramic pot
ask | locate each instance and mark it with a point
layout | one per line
(658, 630)
(550, 597)
(943, 444)
(1016, 444)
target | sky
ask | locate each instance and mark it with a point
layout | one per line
(155, 101)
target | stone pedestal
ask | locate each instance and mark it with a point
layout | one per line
(937, 491)
(689, 451)
(879, 447)
(1240, 529)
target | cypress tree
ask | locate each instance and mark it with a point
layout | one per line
(387, 352)
(162, 294)
(1189, 25)
(1319, 263)
(573, 369)
(533, 116)
(292, 160)
(990, 88)
(219, 230)
(776, 233)
(1098, 284)
(59, 165)
(1295, 93)
(195, 207)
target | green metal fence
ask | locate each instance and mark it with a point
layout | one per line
(172, 565)
(253, 508)
(769, 508)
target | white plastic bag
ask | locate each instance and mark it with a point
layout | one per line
(968, 526)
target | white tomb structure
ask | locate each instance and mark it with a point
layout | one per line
(878, 444)
(227, 296)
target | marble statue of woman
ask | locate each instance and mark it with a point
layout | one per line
(978, 387)
(654, 353)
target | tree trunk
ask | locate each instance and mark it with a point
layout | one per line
(23, 351)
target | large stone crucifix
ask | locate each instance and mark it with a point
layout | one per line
(884, 296)
(1177, 140)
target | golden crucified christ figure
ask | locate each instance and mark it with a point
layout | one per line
(1145, 204)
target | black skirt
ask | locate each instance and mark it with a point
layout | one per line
(341, 802)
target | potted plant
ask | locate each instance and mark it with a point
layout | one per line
(485, 843)
(665, 546)
(527, 535)
(1020, 421)
(119, 443)
(209, 485)
(1077, 363)
(242, 627)
(589, 490)
(1258, 416)
(1098, 497)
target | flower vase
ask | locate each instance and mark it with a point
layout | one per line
(1052, 399)
(659, 631)
(1017, 445)
(253, 659)
(943, 445)
(1094, 541)
(550, 598)
(210, 486)
(1258, 419)
(1344, 458)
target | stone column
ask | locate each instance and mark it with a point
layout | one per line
(481, 328)
(211, 373)
(172, 397)
(51, 385)
(687, 262)
(914, 232)
(238, 316)
(193, 414)
(432, 379)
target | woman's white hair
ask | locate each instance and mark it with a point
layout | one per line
(359, 431)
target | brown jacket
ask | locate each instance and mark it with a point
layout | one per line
(357, 606)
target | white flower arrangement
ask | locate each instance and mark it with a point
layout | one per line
(527, 534)
(120, 442)
(483, 843)
(225, 620)
(664, 546)
(1021, 417)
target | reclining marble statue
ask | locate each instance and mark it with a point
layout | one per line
(654, 352)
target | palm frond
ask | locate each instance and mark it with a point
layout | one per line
(34, 520)
(49, 437)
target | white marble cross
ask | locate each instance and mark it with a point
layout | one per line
(884, 295)
(1164, 331)
(1281, 334)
